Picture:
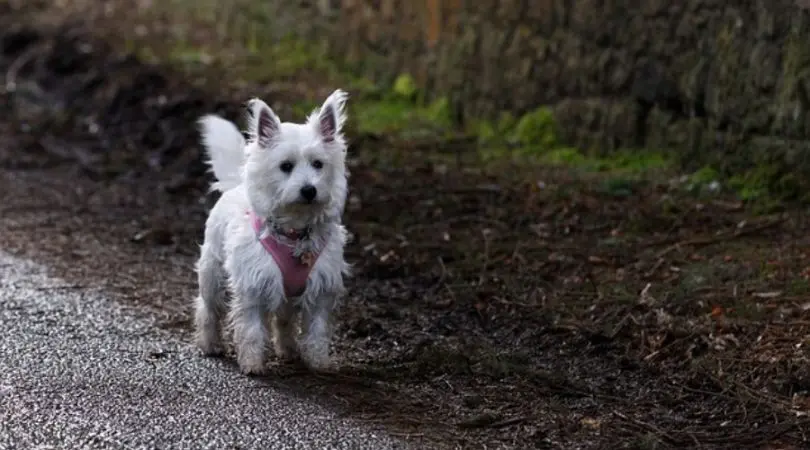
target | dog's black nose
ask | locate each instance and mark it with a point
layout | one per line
(309, 192)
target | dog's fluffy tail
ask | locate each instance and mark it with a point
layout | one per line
(225, 147)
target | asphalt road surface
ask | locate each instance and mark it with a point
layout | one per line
(77, 371)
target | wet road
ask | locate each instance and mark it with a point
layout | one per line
(77, 371)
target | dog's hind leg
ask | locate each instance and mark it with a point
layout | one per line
(210, 304)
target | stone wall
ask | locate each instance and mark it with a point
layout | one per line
(721, 81)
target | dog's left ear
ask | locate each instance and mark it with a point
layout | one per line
(332, 115)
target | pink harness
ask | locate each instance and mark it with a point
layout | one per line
(295, 270)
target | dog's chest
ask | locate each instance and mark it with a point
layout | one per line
(295, 270)
(295, 266)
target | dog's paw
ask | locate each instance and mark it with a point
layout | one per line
(320, 364)
(286, 351)
(285, 345)
(252, 366)
(251, 357)
(212, 351)
(210, 347)
(317, 358)
(253, 371)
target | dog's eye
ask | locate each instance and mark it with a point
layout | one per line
(318, 164)
(286, 167)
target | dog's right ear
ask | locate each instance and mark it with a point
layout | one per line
(264, 125)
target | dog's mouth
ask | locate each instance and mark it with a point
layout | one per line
(303, 208)
(308, 203)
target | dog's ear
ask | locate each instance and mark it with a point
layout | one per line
(264, 124)
(332, 115)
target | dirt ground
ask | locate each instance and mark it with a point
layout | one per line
(491, 307)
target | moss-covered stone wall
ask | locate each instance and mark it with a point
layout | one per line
(723, 82)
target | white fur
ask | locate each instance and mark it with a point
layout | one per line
(224, 144)
(237, 277)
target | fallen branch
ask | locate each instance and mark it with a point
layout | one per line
(491, 421)
(699, 242)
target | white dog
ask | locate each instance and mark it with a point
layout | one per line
(274, 240)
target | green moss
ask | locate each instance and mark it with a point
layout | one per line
(440, 112)
(382, 116)
(536, 129)
(637, 161)
(765, 188)
(631, 162)
(748, 186)
(484, 131)
(493, 132)
(405, 87)
(704, 176)
(534, 137)
(766, 183)
(565, 157)
(506, 121)
(397, 116)
(703, 181)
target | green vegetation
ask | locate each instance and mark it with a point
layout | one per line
(765, 187)
(534, 137)
(400, 112)
(239, 38)
(536, 130)
(405, 87)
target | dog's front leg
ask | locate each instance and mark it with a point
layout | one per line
(250, 306)
(317, 332)
(285, 330)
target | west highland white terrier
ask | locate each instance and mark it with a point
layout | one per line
(273, 252)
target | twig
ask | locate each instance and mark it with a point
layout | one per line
(443, 274)
(509, 422)
(654, 268)
(720, 238)
(405, 435)
(485, 265)
(491, 421)
(17, 65)
(648, 426)
(59, 288)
